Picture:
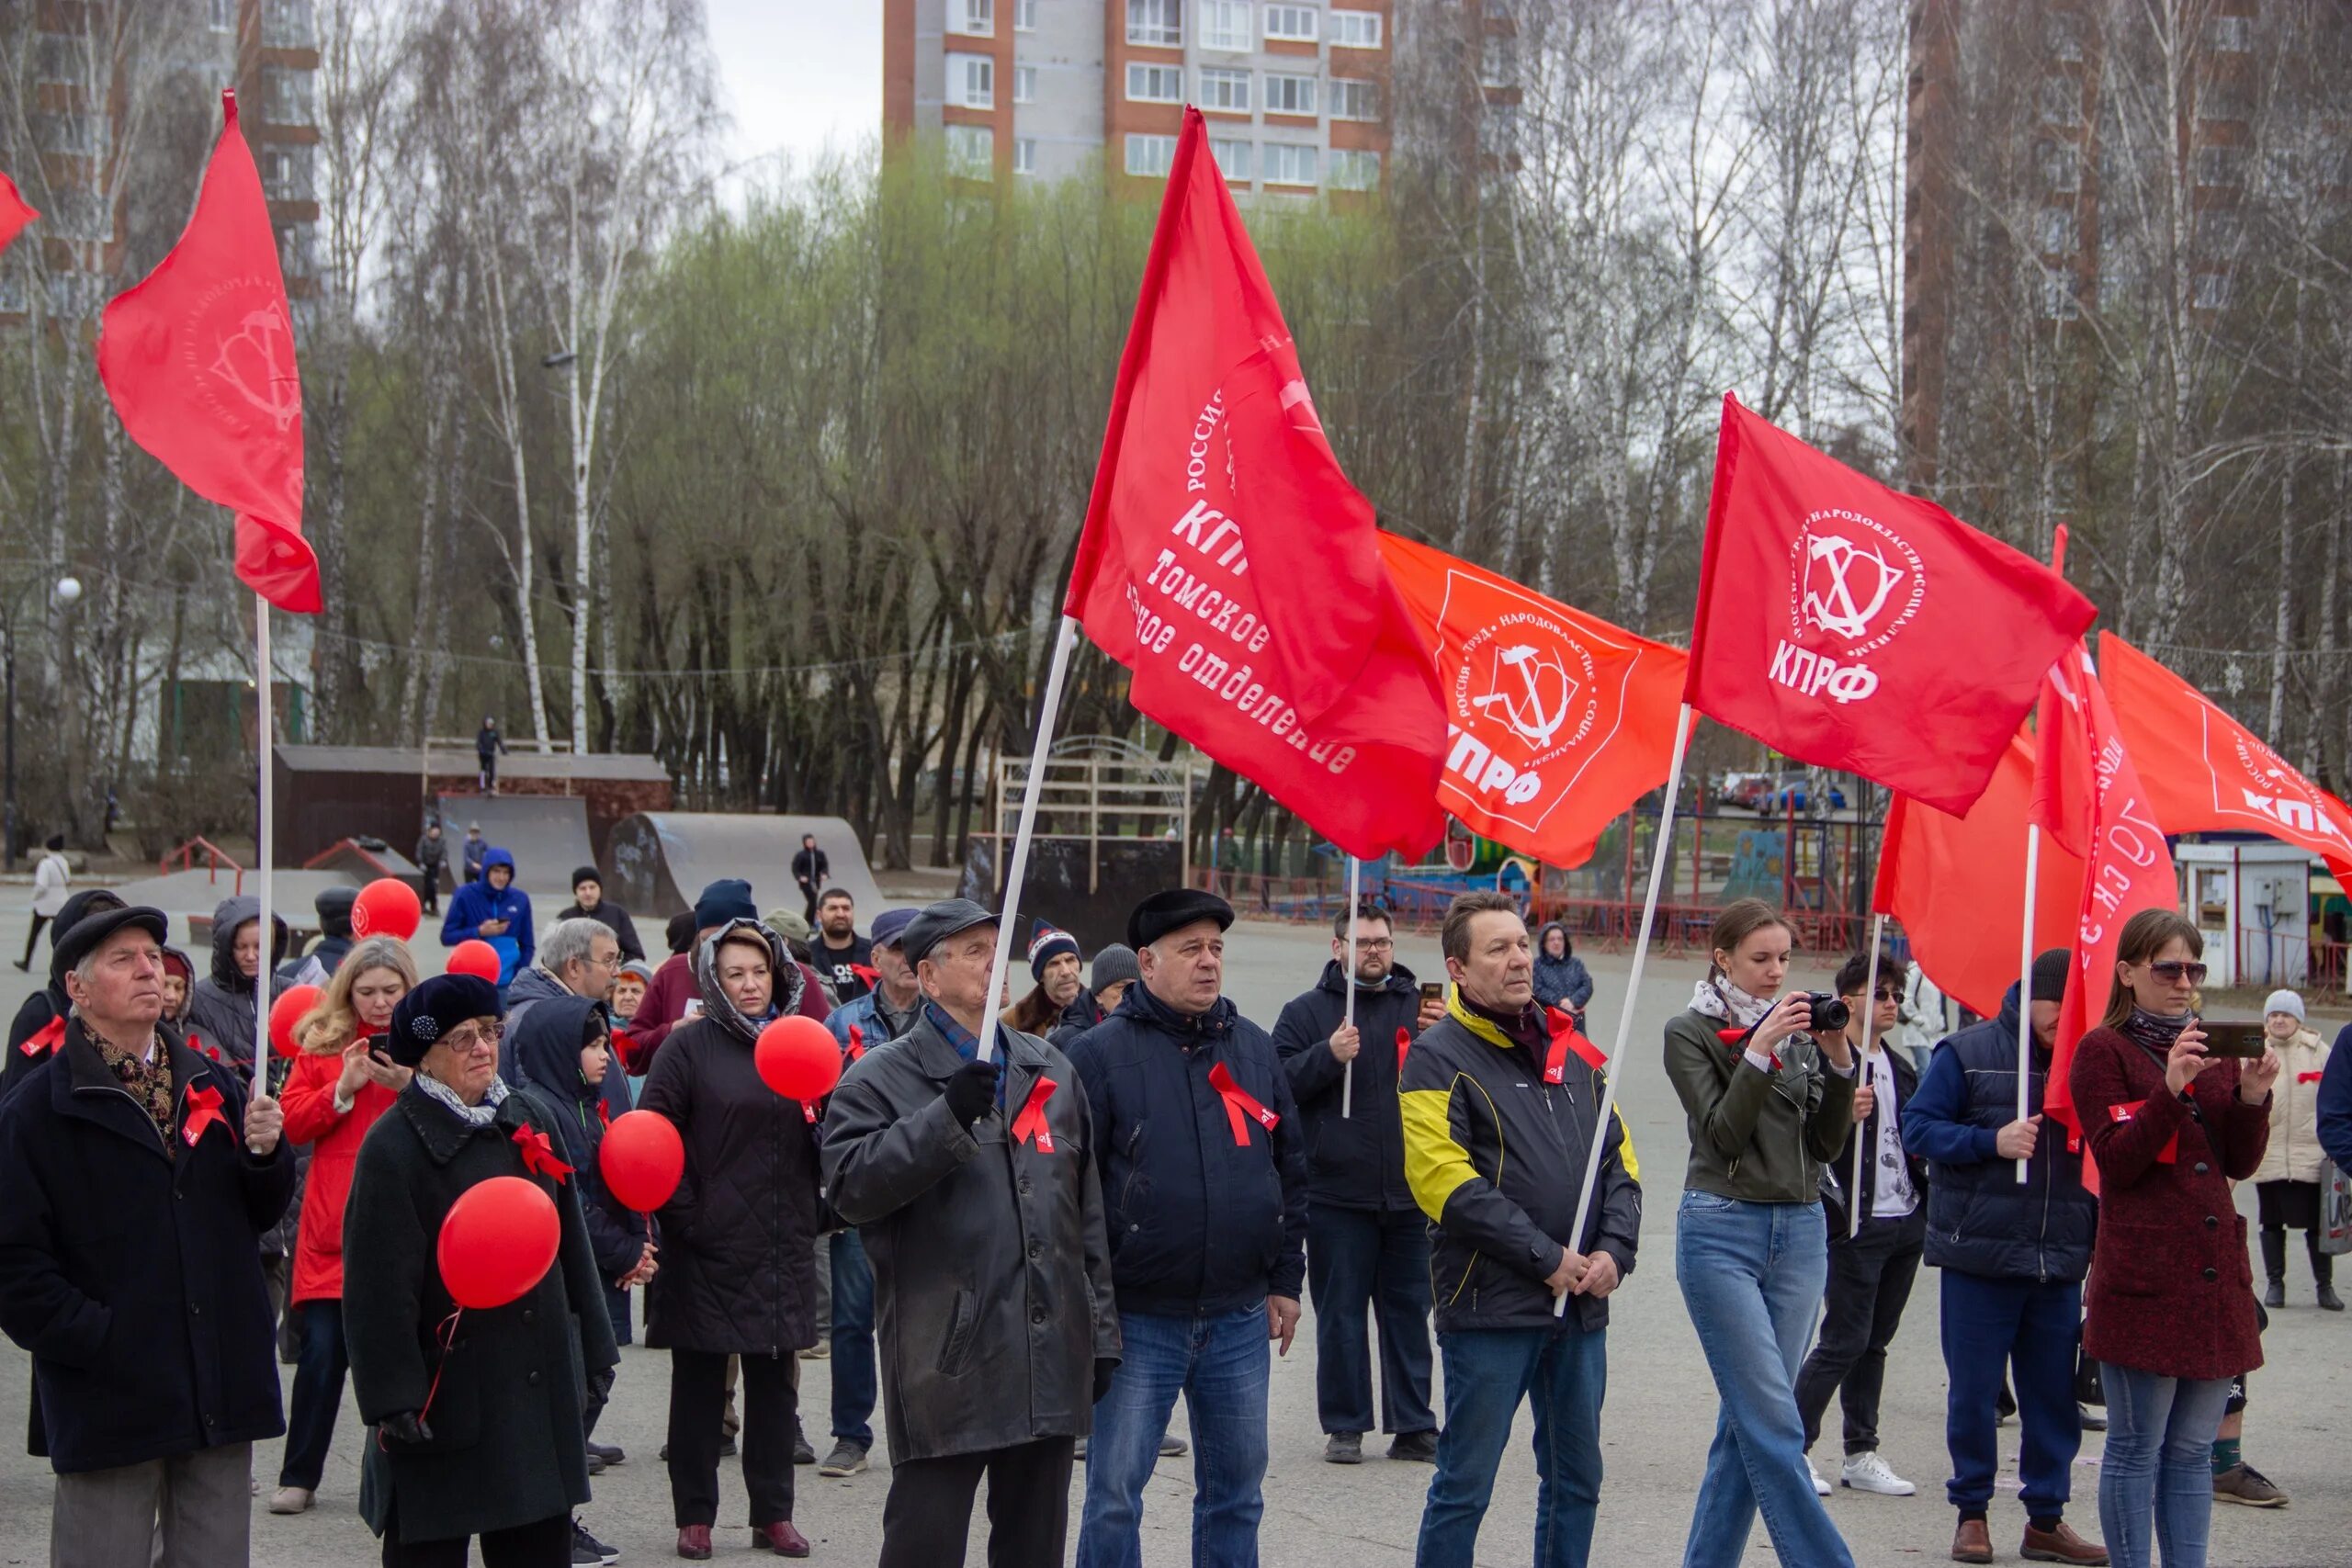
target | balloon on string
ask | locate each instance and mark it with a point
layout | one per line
(286, 1012)
(497, 1241)
(386, 907)
(642, 1160)
(797, 1057)
(476, 956)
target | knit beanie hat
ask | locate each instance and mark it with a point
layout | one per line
(1047, 943)
(2284, 1001)
(1112, 965)
(729, 899)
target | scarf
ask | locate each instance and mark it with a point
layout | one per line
(1526, 1027)
(1718, 997)
(2154, 1031)
(147, 1082)
(481, 1115)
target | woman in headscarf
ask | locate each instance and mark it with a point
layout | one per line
(475, 1420)
(738, 1271)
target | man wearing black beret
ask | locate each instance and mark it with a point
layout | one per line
(1204, 1177)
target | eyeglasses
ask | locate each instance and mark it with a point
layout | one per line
(1376, 943)
(2172, 972)
(1886, 995)
(474, 1037)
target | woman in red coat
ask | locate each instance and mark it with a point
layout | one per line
(339, 1085)
(2171, 1297)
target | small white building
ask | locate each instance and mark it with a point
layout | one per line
(2251, 898)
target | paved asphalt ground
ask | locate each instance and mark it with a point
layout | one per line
(1660, 1412)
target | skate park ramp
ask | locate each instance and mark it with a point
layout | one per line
(188, 898)
(547, 834)
(659, 860)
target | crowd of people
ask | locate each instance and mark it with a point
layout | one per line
(1026, 1227)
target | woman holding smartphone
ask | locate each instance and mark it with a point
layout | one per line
(2170, 1305)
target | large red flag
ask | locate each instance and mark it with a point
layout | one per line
(1558, 720)
(1958, 885)
(1853, 626)
(199, 357)
(15, 211)
(1228, 563)
(2206, 772)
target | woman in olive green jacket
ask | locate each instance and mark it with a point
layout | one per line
(1768, 1104)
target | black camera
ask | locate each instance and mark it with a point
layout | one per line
(1828, 1012)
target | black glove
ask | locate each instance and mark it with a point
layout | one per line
(1103, 1367)
(972, 1091)
(407, 1428)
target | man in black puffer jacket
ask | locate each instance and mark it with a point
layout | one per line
(1367, 1246)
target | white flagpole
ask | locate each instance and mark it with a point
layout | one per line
(1064, 640)
(2024, 980)
(1348, 984)
(1658, 858)
(1869, 1032)
(261, 847)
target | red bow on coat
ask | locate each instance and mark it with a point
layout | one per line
(538, 1155)
(1568, 1037)
(203, 1111)
(1242, 1107)
(1031, 1122)
(856, 1043)
(45, 1039)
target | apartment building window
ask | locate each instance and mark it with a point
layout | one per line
(2053, 231)
(1294, 23)
(2231, 35)
(1233, 157)
(285, 174)
(1225, 89)
(220, 15)
(1150, 155)
(1155, 83)
(1494, 60)
(298, 254)
(1355, 30)
(2062, 100)
(2058, 301)
(971, 81)
(1355, 100)
(971, 152)
(288, 24)
(1156, 22)
(2225, 94)
(1024, 84)
(78, 212)
(61, 58)
(1287, 163)
(1352, 169)
(2212, 290)
(1025, 162)
(77, 135)
(1224, 24)
(2220, 167)
(1025, 15)
(1286, 94)
(2219, 229)
(2062, 167)
(974, 19)
(2062, 35)
(286, 95)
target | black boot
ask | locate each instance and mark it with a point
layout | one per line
(2323, 1270)
(2274, 1264)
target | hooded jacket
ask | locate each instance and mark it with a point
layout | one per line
(477, 901)
(1561, 982)
(220, 1006)
(1356, 1161)
(336, 942)
(613, 918)
(546, 1046)
(2294, 1153)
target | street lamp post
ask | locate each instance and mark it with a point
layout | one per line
(65, 591)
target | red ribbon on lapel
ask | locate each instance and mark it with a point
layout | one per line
(2309, 1077)
(1404, 1046)
(872, 978)
(45, 1039)
(538, 1155)
(1736, 1038)
(1567, 1037)
(1031, 1122)
(203, 1111)
(196, 1044)
(604, 1114)
(856, 1043)
(1242, 1107)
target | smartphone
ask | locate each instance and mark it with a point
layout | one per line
(2243, 1040)
(1432, 990)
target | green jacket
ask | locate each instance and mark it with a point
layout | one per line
(1758, 1136)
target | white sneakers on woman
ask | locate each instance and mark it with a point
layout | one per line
(1867, 1472)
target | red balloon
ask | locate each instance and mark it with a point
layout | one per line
(642, 1160)
(386, 907)
(498, 1240)
(475, 956)
(798, 1057)
(286, 1012)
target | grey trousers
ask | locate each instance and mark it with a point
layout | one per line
(193, 1510)
(824, 1289)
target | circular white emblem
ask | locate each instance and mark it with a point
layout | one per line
(1854, 579)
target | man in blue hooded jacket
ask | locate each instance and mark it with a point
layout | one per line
(494, 910)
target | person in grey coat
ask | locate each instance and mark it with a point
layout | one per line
(975, 1186)
(221, 1009)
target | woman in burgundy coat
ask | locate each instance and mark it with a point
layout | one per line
(2171, 1298)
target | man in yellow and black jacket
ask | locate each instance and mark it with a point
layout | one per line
(1498, 1123)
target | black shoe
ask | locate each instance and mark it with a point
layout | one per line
(24, 968)
(607, 1453)
(801, 1452)
(1417, 1448)
(595, 1461)
(2328, 1300)
(1344, 1448)
(2276, 1295)
(586, 1549)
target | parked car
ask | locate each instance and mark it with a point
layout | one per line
(1744, 790)
(1795, 791)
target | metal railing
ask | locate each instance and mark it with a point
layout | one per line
(215, 858)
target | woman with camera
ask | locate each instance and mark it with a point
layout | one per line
(1768, 1083)
(2170, 1310)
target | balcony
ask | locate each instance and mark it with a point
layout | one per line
(288, 24)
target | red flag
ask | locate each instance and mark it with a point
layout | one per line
(199, 357)
(1957, 884)
(1853, 626)
(15, 211)
(1227, 560)
(1559, 721)
(2215, 774)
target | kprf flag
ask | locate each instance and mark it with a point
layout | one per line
(1227, 560)
(2126, 865)
(1957, 884)
(1853, 626)
(15, 211)
(1556, 721)
(2207, 773)
(199, 357)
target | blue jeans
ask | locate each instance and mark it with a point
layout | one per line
(1486, 1373)
(2159, 1462)
(2026, 1329)
(1360, 1261)
(853, 1368)
(1751, 1274)
(318, 1393)
(1220, 1365)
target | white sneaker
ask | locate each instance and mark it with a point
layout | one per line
(1867, 1472)
(1820, 1488)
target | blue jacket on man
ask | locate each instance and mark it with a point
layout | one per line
(2336, 1101)
(477, 901)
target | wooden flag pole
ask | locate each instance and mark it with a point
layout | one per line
(1658, 857)
(266, 931)
(1064, 641)
(1347, 986)
(2025, 982)
(1869, 1033)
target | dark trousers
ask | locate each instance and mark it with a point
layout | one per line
(318, 1393)
(1359, 1260)
(697, 1405)
(929, 1512)
(855, 1381)
(809, 894)
(545, 1543)
(489, 761)
(2029, 1328)
(1869, 1281)
(31, 937)
(428, 889)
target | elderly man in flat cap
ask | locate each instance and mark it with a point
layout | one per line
(975, 1186)
(140, 1177)
(1206, 1177)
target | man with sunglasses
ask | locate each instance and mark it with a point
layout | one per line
(1367, 1245)
(1872, 1265)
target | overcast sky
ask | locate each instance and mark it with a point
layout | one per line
(797, 73)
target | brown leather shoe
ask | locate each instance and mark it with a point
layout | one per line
(781, 1538)
(1973, 1542)
(694, 1542)
(2061, 1545)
